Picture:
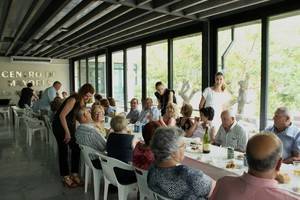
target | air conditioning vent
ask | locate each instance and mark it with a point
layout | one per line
(29, 59)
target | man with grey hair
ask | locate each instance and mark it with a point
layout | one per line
(263, 155)
(230, 133)
(168, 177)
(288, 133)
(87, 134)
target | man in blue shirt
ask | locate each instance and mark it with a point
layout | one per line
(287, 133)
(48, 95)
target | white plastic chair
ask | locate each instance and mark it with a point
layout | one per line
(33, 125)
(51, 137)
(141, 176)
(159, 197)
(108, 164)
(18, 115)
(5, 111)
(97, 173)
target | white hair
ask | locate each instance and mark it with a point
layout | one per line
(284, 110)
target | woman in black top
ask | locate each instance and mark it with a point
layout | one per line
(164, 96)
(64, 125)
(26, 96)
(120, 145)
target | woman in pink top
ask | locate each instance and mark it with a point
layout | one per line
(142, 154)
(169, 118)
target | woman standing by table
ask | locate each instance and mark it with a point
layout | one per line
(215, 97)
(64, 125)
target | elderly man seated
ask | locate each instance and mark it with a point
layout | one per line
(264, 160)
(88, 135)
(134, 112)
(230, 133)
(149, 112)
(288, 133)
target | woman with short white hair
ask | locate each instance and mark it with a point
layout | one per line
(168, 177)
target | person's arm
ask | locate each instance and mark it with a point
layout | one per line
(62, 116)
(201, 184)
(158, 100)
(172, 122)
(242, 141)
(161, 121)
(171, 96)
(218, 141)
(212, 135)
(202, 102)
(191, 130)
(295, 151)
(99, 140)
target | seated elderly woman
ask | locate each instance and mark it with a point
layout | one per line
(169, 118)
(119, 146)
(185, 122)
(168, 177)
(142, 154)
(98, 119)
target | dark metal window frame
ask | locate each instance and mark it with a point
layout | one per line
(209, 30)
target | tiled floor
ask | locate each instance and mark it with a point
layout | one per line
(32, 173)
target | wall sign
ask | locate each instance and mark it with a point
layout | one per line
(21, 78)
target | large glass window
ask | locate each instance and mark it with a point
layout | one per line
(101, 75)
(118, 78)
(284, 64)
(187, 64)
(134, 73)
(92, 71)
(241, 51)
(82, 71)
(76, 75)
(157, 66)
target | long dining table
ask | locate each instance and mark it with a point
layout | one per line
(214, 164)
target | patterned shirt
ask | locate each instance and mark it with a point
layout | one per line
(88, 135)
(179, 182)
(236, 137)
(290, 139)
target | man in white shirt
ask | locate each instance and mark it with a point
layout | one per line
(48, 96)
(149, 112)
(230, 133)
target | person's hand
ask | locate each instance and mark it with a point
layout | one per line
(67, 138)
(197, 119)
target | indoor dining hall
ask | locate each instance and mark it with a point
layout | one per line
(149, 100)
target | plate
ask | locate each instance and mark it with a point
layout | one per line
(190, 150)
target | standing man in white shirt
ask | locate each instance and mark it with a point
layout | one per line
(48, 95)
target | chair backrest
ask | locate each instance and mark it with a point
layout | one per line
(141, 176)
(86, 152)
(159, 197)
(33, 122)
(108, 164)
(48, 123)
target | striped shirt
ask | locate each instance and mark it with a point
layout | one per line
(236, 137)
(88, 135)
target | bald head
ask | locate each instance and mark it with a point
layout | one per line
(263, 152)
(227, 118)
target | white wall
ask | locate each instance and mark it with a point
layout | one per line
(15, 75)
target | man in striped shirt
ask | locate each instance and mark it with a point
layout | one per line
(87, 134)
